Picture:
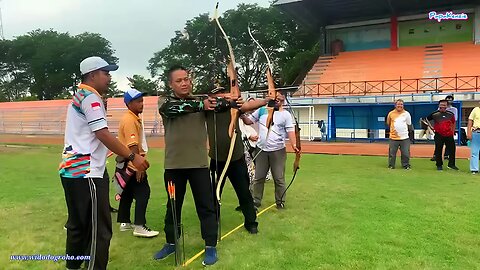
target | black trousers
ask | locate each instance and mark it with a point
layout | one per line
(140, 191)
(201, 187)
(445, 154)
(237, 172)
(449, 143)
(89, 224)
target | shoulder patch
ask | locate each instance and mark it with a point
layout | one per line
(78, 98)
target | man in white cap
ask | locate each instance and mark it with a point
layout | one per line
(135, 183)
(87, 140)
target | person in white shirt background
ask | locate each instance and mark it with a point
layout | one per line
(273, 154)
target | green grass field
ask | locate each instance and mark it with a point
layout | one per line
(343, 212)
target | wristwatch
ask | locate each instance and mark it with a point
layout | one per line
(131, 157)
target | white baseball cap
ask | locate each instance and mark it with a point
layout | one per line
(93, 63)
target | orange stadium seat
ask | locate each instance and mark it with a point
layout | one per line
(445, 60)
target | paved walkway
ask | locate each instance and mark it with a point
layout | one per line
(334, 148)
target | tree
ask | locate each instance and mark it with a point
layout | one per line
(202, 48)
(44, 63)
(88, 44)
(113, 90)
(193, 48)
(144, 85)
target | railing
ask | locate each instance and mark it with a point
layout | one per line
(388, 87)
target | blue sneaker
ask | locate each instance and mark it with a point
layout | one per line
(210, 256)
(166, 251)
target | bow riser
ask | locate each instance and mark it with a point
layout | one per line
(234, 95)
(271, 84)
(271, 104)
(296, 163)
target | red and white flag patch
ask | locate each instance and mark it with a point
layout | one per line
(96, 106)
(132, 136)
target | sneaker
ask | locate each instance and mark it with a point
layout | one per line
(445, 157)
(210, 256)
(144, 231)
(167, 250)
(391, 167)
(269, 176)
(280, 206)
(439, 168)
(433, 158)
(126, 227)
(238, 208)
(408, 167)
(453, 167)
(252, 230)
(474, 172)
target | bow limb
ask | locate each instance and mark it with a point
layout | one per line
(271, 85)
(232, 129)
(296, 163)
(298, 142)
(227, 39)
(270, 66)
(225, 168)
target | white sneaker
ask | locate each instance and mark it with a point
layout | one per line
(144, 231)
(269, 176)
(126, 227)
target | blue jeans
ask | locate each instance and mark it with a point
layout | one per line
(474, 149)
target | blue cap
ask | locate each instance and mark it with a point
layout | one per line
(131, 94)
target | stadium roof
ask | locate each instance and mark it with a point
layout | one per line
(316, 13)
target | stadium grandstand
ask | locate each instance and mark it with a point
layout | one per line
(374, 52)
(48, 117)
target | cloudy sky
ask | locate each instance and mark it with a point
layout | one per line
(136, 29)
